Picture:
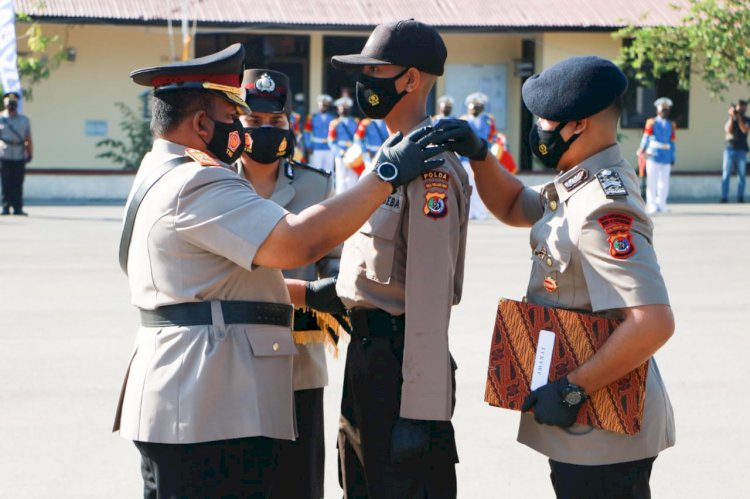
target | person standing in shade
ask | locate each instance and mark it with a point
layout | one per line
(341, 133)
(208, 393)
(658, 144)
(592, 250)
(735, 151)
(268, 166)
(400, 276)
(315, 135)
(445, 109)
(16, 149)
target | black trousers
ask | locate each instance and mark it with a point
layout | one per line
(12, 174)
(301, 463)
(370, 406)
(628, 480)
(237, 468)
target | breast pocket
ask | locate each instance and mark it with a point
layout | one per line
(377, 245)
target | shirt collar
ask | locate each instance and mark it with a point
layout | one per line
(569, 182)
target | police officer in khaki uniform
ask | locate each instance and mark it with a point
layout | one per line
(268, 166)
(209, 387)
(400, 276)
(592, 249)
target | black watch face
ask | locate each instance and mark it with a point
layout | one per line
(387, 171)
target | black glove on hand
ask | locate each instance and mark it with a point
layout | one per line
(410, 439)
(410, 155)
(548, 404)
(459, 137)
(321, 296)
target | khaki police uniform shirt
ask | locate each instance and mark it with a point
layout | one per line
(593, 250)
(14, 130)
(299, 187)
(409, 258)
(194, 239)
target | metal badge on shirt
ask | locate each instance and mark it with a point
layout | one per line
(576, 180)
(611, 183)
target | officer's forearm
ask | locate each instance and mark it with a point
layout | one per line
(308, 236)
(296, 289)
(499, 190)
(644, 330)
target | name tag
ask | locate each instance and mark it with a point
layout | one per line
(543, 360)
(393, 203)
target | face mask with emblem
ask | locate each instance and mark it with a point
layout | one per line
(268, 144)
(376, 97)
(228, 141)
(548, 145)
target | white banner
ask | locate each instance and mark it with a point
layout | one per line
(8, 69)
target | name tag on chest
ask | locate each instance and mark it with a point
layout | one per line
(393, 203)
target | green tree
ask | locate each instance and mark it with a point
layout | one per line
(128, 152)
(43, 54)
(712, 40)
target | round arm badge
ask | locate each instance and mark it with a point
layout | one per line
(435, 205)
(617, 226)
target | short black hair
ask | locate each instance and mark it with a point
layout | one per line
(742, 102)
(168, 109)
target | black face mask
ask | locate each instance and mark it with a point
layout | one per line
(268, 144)
(228, 141)
(12, 105)
(548, 145)
(377, 96)
(664, 113)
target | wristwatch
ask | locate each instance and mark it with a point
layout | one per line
(572, 395)
(387, 172)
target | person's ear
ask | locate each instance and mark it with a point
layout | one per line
(580, 125)
(200, 124)
(413, 78)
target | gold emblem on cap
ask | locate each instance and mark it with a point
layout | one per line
(265, 83)
(543, 149)
(373, 99)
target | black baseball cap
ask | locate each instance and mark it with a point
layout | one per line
(406, 43)
(267, 91)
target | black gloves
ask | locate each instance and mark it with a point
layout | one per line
(459, 137)
(321, 296)
(410, 439)
(548, 404)
(410, 155)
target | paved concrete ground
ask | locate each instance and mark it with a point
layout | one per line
(66, 331)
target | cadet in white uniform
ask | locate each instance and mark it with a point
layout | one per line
(267, 165)
(592, 249)
(209, 387)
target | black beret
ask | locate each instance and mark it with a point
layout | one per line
(574, 89)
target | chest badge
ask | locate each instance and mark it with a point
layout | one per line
(617, 226)
(435, 205)
(576, 180)
(550, 284)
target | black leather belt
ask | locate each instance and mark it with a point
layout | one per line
(234, 312)
(375, 322)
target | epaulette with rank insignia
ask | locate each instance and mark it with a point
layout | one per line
(201, 157)
(611, 183)
(308, 167)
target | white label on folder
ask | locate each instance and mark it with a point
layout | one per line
(543, 360)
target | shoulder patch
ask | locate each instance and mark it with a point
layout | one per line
(307, 167)
(435, 205)
(611, 183)
(617, 226)
(576, 180)
(436, 179)
(202, 158)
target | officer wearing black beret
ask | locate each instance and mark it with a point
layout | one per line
(592, 249)
(208, 393)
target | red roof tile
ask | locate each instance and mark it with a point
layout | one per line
(486, 14)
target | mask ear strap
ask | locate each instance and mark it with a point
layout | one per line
(561, 125)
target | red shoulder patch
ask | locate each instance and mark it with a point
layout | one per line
(202, 158)
(617, 226)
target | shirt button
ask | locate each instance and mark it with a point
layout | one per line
(549, 262)
(553, 205)
(276, 347)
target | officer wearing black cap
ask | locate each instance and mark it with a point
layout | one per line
(208, 392)
(592, 249)
(15, 151)
(400, 275)
(267, 164)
